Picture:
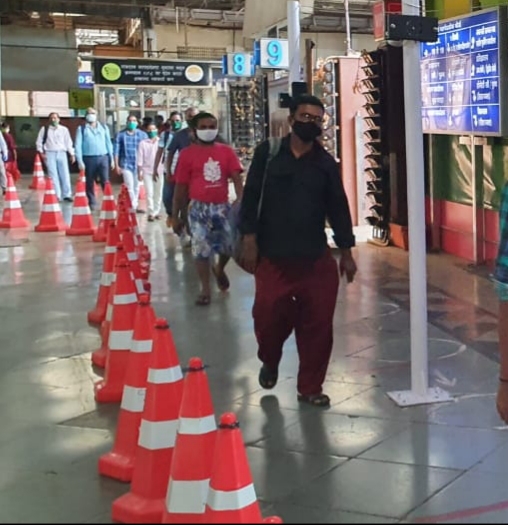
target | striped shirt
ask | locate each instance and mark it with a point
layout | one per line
(126, 149)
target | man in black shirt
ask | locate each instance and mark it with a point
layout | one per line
(285, 245)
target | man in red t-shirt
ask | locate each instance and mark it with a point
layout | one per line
(202, 175)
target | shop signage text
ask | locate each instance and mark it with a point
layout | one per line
(151, 73)
(462, 76)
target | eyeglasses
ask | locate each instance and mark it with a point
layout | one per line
(307, 117)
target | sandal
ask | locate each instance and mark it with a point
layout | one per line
(222, 280)
(317, 400)
(203, 300)
(267, 377)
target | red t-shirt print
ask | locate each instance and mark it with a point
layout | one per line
(207, 170)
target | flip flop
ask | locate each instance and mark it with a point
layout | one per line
(317, 400)
(203, 300)
(222, 280)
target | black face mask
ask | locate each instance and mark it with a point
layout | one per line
(306, 131)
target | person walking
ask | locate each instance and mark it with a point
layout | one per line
(285, 246)
(203, 173)
(4, 157)
(126, 151)
(54, 143)
(181, 140)
(94, 153)
(147, 151)
(173, 125)
(501, 283)
(11, 165)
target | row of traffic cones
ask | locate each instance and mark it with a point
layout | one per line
(182, 468)
(51, 218)
(38, 182)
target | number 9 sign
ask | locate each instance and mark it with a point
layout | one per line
(274, 53)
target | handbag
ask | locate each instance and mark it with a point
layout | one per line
(234, 214)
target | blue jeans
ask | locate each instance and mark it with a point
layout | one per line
(58, 169)
(96, 168)
(167, 196)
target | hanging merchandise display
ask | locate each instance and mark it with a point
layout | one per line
(378, 179)
(327, 75)
(385, 170)
(248, 113)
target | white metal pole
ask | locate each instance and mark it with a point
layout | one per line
(294, 31)
(349, 49)
(416, 209)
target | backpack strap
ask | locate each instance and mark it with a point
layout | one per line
(274, 144)
(45, 136)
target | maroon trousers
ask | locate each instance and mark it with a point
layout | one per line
(299, 295)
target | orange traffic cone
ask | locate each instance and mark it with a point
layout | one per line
(82, 221)
(231, 498)
(38, 175)
(98, 314)
(13, 216)
(119, 463)
(110, 389)
(128, 241)
(145, 501)
(82, 176)
(108, 214)
(194, 449)
(51, 219)
(100, 355)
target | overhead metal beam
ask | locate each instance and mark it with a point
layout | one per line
(115, 8)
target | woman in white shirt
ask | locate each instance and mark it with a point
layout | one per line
(147, 151)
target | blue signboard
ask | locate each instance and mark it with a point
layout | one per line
(462, 76)
(85, 79)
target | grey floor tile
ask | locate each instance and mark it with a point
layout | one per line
(474, 410)
(57, 498)
(319, 432)
(438, 446)
(299, 514)
(476, 497)
(47, 404)
(376, 403)
(266, 421)
(286, 393)
(278, 473)
(52, 448)
(495, 463)
(375, 488)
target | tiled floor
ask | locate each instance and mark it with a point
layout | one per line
(365, 460)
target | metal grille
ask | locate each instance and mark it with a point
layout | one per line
(201, 53)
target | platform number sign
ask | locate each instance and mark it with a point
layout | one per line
(274, 53)
(239, 64)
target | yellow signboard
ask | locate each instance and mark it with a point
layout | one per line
(80, 98)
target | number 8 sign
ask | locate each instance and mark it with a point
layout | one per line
(274, 53)
(239, 65)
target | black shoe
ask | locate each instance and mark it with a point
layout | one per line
(68, 199)
(140, 211)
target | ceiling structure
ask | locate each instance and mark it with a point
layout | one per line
(328, 15)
